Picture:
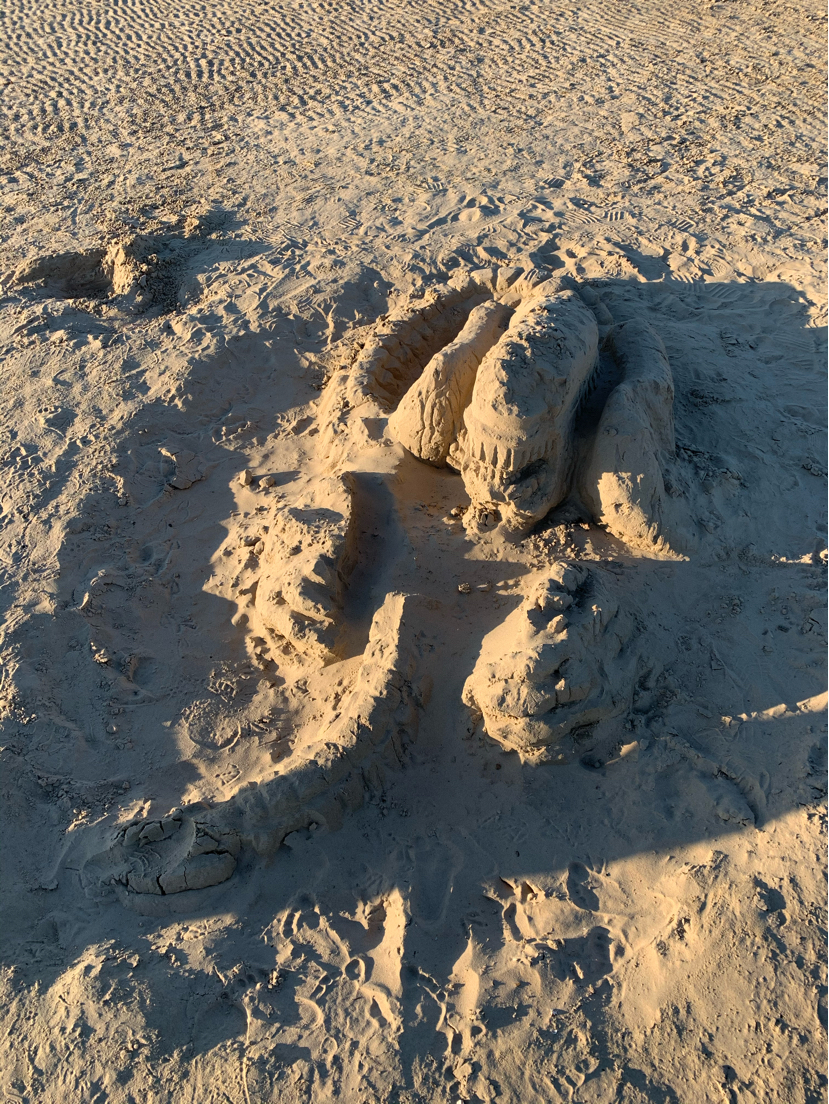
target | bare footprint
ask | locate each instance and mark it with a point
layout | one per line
(436, 864)
(578, 888)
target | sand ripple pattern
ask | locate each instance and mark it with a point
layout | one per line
(70, 65)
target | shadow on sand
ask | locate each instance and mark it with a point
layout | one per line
(474, 851)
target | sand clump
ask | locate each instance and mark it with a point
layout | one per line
(564, 659)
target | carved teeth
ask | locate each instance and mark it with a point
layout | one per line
(522, 408)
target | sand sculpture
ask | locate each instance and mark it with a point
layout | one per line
(486, 376)
(561, 660)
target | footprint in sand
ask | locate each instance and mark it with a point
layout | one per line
(435, 865)
(217, 1022)
(585, 959)
(578, 888)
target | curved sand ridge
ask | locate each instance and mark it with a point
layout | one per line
(325, 775)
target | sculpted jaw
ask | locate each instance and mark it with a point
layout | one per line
(515, 449)
(499, 406)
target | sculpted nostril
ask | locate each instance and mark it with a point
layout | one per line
(534, 468)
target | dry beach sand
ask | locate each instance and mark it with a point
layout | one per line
(489, 768)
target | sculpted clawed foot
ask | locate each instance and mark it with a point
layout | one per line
(501, 403)
(498, 404)
(563, 660)
(515, 447)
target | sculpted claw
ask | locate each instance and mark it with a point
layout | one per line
(562, 660)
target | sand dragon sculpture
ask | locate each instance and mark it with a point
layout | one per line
(525, 387)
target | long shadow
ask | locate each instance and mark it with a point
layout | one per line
(480, 849)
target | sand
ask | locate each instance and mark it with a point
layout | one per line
(331, 773)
